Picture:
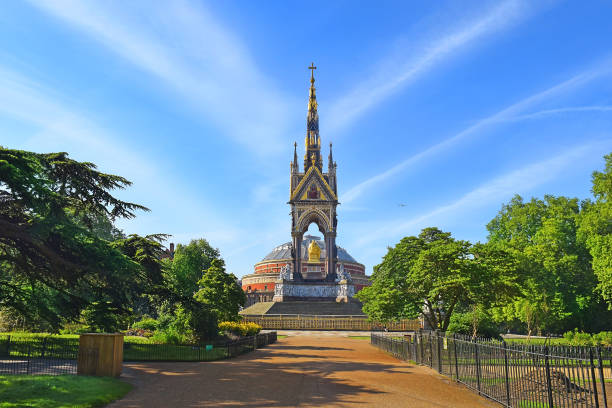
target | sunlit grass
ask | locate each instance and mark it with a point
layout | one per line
(45, 391)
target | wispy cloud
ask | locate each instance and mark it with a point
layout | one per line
(192, 53)
(57, 126)
(494, 191)
(560, 111)
(398, 70)
(511, 112)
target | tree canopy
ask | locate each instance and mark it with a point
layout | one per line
(557, 280)
(53, 263)
(432, 273)
(596, 229)
(220, 291)
(188, 265)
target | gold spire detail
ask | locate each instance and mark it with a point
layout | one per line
(312, 141)
(312, 97)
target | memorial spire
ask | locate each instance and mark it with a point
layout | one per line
(313, 143)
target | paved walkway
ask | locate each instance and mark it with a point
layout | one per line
(298, 371)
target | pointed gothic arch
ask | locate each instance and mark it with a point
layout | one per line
(313, 216)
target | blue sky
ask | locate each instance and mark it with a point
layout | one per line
(439, 111)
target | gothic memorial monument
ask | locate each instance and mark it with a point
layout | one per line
(309, 268)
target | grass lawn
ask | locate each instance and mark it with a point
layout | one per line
(170, 352)
(359, 337)
(46, 391)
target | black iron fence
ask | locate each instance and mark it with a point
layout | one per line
(42, 355)
(52, 355)
(513, 375)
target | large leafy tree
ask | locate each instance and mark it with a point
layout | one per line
(188, 265)
(53, 262)
(220, 291)
(432, 274)
(595, 229)
(556, 278)
(188, 311)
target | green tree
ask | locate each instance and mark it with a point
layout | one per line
(432, 274)
(556, 279)
(220, 292)
(189, 263)
(595, 229)
(53, 264)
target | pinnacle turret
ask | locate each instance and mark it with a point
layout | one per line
(294, 164)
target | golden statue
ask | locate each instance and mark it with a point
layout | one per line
(314, 252)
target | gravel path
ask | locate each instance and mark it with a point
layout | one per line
(299, 371)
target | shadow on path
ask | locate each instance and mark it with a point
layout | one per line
(278, 346)
(286, 374)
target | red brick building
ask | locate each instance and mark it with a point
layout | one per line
(259, 286)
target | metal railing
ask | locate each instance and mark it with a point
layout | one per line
(46, 355)
(511, 374)
(319, 322)
(54, 356)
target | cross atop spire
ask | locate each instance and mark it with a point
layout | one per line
(312, 68)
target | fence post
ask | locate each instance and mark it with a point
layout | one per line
(439, 352)
(506, 373)
(29, 358)
(548, 383)
(593, 378)
(450, 365)
(430, 351)
(477, 365)
(44, 346)
(456, 359)
(602, 378)
(422, 346)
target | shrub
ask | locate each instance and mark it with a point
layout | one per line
(462, 323)
(147, 323)
(74, 328)
(576, 338)
(203, 323)
(103, 317)
(603, 338)
(138, 332)
(239, 328)
(170, 336)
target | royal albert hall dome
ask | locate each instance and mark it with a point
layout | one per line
(259, 286)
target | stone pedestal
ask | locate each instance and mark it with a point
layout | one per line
(286, 290)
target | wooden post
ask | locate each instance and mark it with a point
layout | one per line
(100, 354)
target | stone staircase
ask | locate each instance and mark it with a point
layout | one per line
(317, 308)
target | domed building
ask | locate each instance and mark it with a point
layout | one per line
(259, 286)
